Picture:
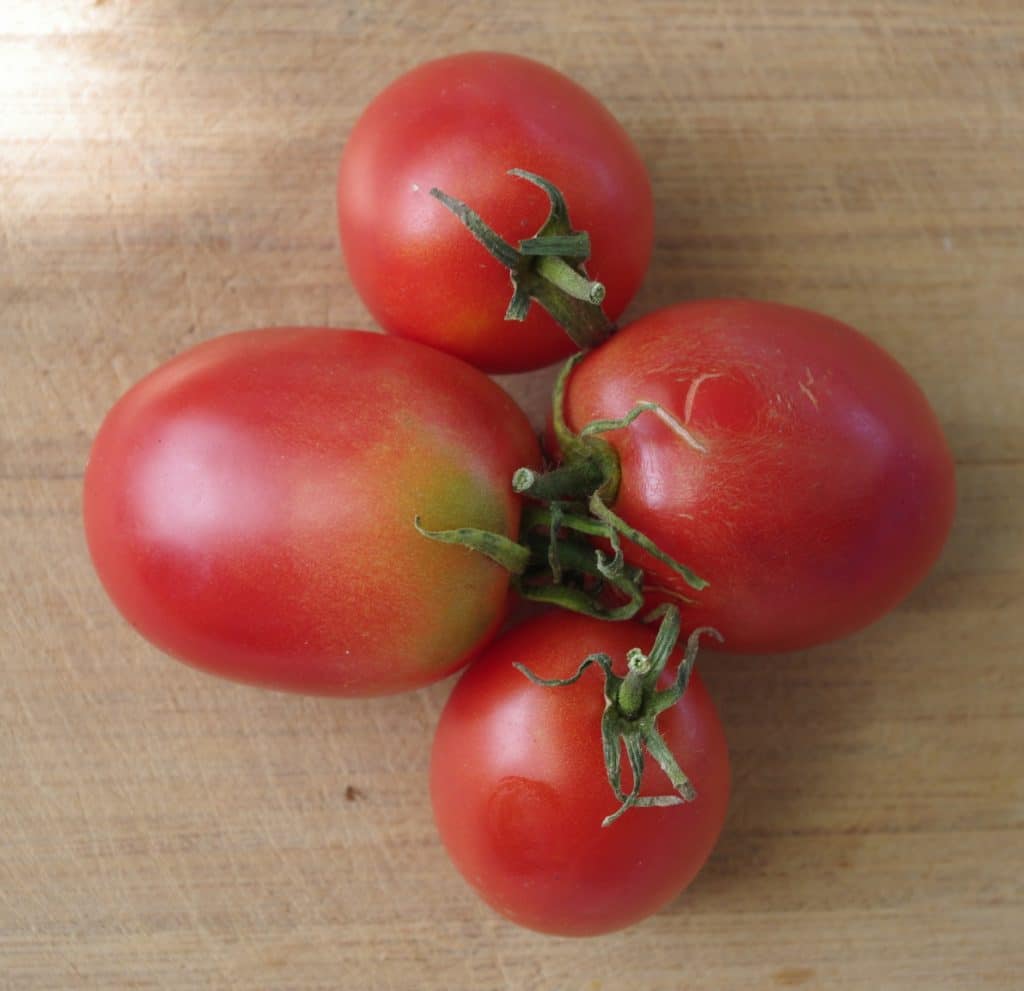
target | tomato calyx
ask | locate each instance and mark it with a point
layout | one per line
(548, 267)
(580, 573)
(632, 706)
(554, 561)
(583, 487)
(512, 556)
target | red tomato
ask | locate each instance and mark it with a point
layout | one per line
(519, 787)
(820, 490)
(459, 124)
(249, 507)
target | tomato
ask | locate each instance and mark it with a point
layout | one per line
(800, 470)
(460, 124)
(519, 786)
(250, 508)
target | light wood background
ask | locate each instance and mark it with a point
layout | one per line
(167, 173)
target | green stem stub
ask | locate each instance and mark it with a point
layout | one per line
(568, 526)
(632, 705)
(548, 267)
(575, 499)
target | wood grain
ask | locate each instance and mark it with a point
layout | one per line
(166, 174)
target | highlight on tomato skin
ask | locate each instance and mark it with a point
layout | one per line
(796, 467)
(460, 124)
(250, 505)
(519, 786)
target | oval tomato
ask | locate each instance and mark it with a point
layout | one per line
(805, 478)
(460, 124)
(519, 787)
(250, 508)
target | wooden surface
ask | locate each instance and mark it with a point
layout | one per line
(166, 174)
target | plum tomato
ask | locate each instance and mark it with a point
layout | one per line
(249, 507)
(460, 124)
(789, 461)
(520, 790)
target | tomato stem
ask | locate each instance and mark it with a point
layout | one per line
(562, 275)
(575, 480)
(589, 476)
(546, 268)
(630, 696)
(556, 560)
(632, 706)
(566, 571)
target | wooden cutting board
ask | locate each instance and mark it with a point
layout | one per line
(166, 174)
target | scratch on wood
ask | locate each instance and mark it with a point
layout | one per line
(791, 977)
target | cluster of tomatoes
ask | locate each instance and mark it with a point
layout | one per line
(350, 513)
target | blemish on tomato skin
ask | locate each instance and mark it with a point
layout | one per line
(691, 393)
(522, 817)
(733, 403)
(807, 392)
(805, 387)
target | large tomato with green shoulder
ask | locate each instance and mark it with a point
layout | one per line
(250, 508)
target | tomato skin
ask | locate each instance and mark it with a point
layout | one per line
(519, 787)
(827, 488)
(249, 508)
(459, 124)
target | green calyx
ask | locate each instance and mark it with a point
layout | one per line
(568, 507)
(512, 556)
(583, 487)
(632, 706)
(580, 573)
(548, 267)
